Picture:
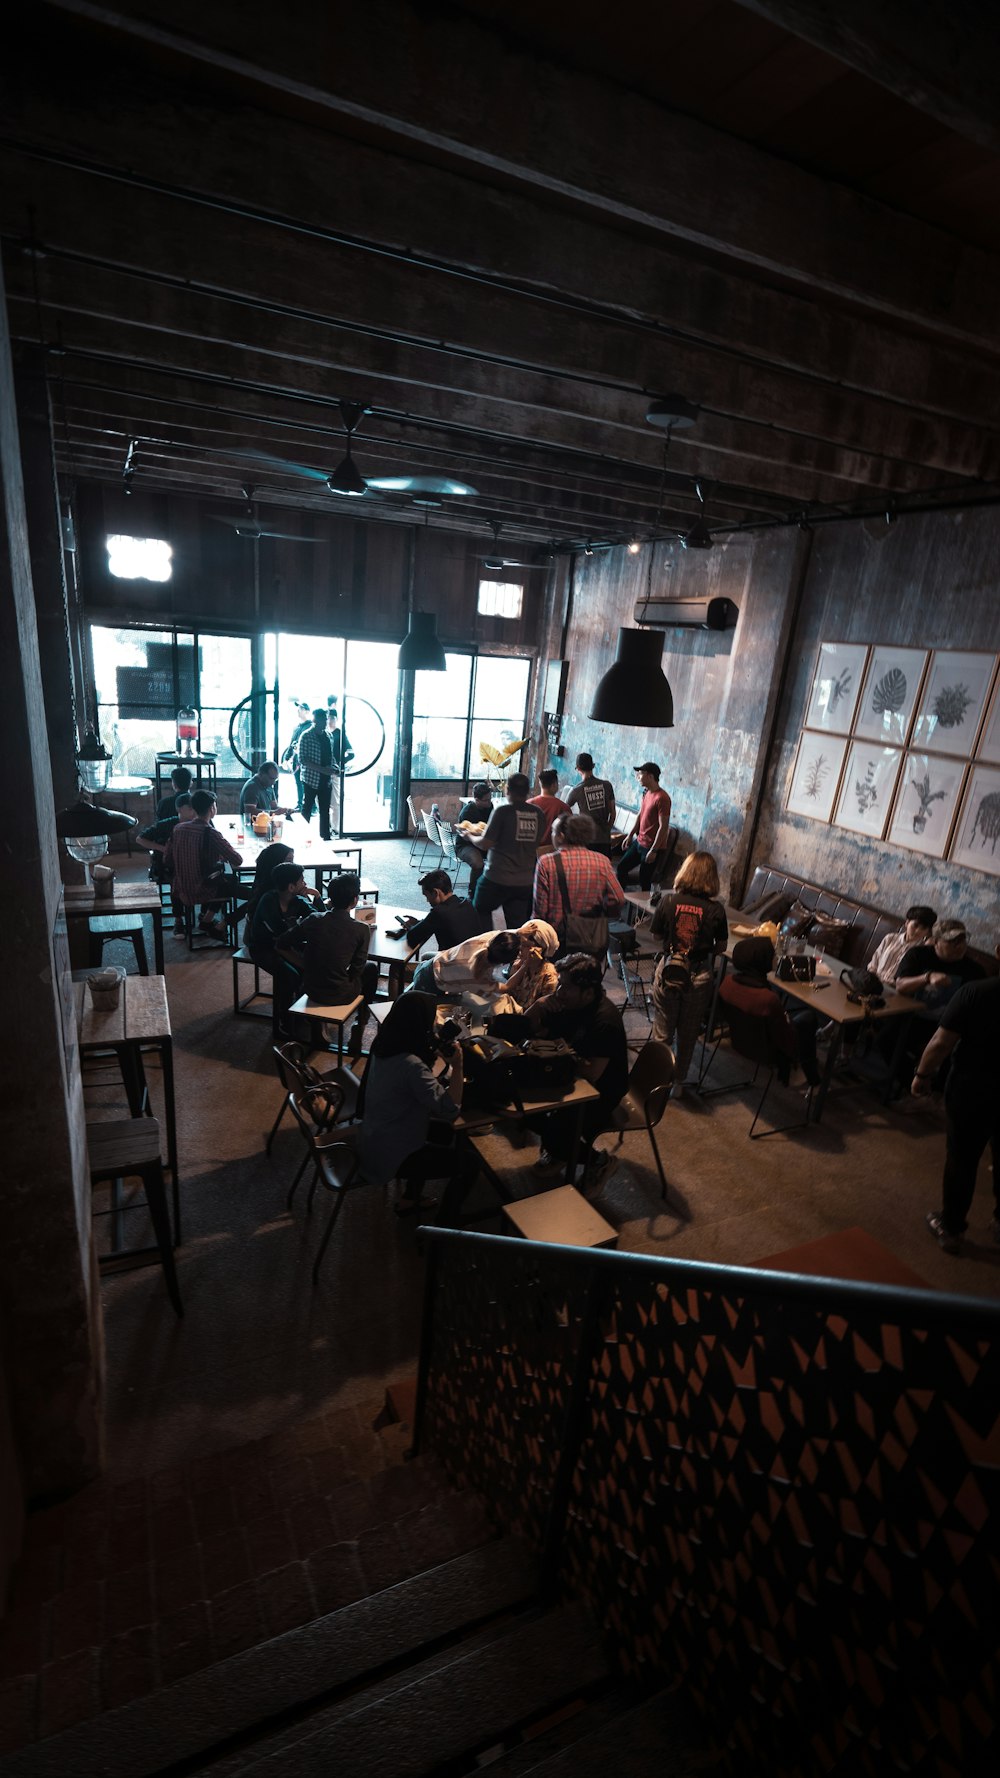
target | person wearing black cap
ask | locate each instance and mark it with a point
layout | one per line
(594, 797)
(647, 839)
(748, 998)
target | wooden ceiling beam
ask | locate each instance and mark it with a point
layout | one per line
(446, 90)
(945, 60)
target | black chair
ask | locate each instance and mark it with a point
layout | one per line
(751, 1039)
(627, 954)
(297, 1075)
(646, 1098)
(331, 1148)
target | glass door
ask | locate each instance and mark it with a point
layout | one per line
(363, 679)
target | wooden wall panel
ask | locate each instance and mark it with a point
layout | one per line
(355, 580)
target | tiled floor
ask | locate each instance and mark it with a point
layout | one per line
(129, 1587)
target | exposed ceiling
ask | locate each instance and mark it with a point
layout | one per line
(503, 229)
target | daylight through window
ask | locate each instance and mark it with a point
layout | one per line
(500, 598)
(139, 558)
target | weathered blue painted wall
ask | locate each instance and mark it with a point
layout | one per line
(930, 581)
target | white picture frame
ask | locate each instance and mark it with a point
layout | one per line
(889, 693)
(867, 788)
(989, 740)
(815, 775)
(840, 668)
(951, 704)
(976, 840)
(930, 787)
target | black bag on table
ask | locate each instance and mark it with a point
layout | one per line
(489, 1074)
(864, 987)
(545, 1068)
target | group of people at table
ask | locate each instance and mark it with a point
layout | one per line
(533, 969)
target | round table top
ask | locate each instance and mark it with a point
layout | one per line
(125, 785)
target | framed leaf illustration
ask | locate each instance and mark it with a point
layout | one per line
(889, 694)
(929, 789)
(866, 791)
(815, 775)
(836, 683)
(977, 836)
(951, 702)
(989, 740)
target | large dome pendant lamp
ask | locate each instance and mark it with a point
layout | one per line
(634, 692)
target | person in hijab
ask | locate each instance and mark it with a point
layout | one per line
(534, 975)
(403, 1101)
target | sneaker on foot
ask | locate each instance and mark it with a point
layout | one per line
(947, 1242)
(547, 1166)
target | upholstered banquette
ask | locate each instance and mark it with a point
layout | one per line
(867, 926)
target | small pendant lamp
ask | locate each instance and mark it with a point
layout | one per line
(635, 692)
(421, 650)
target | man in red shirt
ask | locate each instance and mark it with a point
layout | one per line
(550, 804)
(647, 839)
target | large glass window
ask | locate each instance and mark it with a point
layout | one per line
(143, 677)
(441, 719)
(498, 706)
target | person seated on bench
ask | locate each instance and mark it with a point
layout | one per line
(276, 912)
(648, 839)
(197, 856)
(451, 920)
(260, 793)
(747, 996)
(331, 951)
(887, 956)
(932, 973)
(580, 1012)
(470, 965)
(404, 1107)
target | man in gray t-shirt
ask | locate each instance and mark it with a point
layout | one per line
(594, 797)
(510, 843)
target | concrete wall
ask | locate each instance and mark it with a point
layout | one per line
(740, 696)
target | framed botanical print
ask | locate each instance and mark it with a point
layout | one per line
(836, 683)
(989, 740)
(977, 837)
(889, 694)
(866, 792)
(816, 775)
(951, 703)
(929, 788)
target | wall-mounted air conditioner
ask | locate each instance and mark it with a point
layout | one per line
(687, 614)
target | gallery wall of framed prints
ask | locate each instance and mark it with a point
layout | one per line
(903, 744)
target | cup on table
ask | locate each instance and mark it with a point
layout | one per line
(105, 988)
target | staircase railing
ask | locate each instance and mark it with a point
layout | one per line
(785, 1490)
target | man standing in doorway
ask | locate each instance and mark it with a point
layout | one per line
(342, 756)
(647, 841)
(316, 763)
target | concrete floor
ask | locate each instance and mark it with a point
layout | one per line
(259, 1349)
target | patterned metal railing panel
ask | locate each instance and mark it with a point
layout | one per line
(786, 1491)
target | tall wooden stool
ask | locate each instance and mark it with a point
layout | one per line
(129, 1148)
(105, 928)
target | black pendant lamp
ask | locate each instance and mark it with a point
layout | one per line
(634, 692)
(84, 820)
(421, 650)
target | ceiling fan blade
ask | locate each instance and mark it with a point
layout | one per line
(284, 463)
(293, 537)
(421, 484)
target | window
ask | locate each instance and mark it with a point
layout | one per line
(143, 677)
(477, 698)
(500, 598)
(139, 558)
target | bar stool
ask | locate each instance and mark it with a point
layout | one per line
(105, 928)
(130, 1148)
(327, 1015)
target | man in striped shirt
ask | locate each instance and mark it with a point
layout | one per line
(590, 881)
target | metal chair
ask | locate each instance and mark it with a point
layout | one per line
(419, 832)
(106, 928)
(646, 1098)
(625, 953)
(433, 838)
(333, 1154)
(750, 1038)
(449, 853)
(297, 1075)
(243, 957)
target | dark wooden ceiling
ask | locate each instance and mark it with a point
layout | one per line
(503, 228)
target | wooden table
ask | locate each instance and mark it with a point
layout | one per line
(562, 1216)
(396, 952)
(315, 855)
(574, 1104)
(81, 903)
(827, 997)
(140, 1021)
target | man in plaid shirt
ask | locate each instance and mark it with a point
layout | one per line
(590, 880)
(319, 758)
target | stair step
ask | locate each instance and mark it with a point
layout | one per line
(471, 1700)
(289, 1673)
(661, 1735)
